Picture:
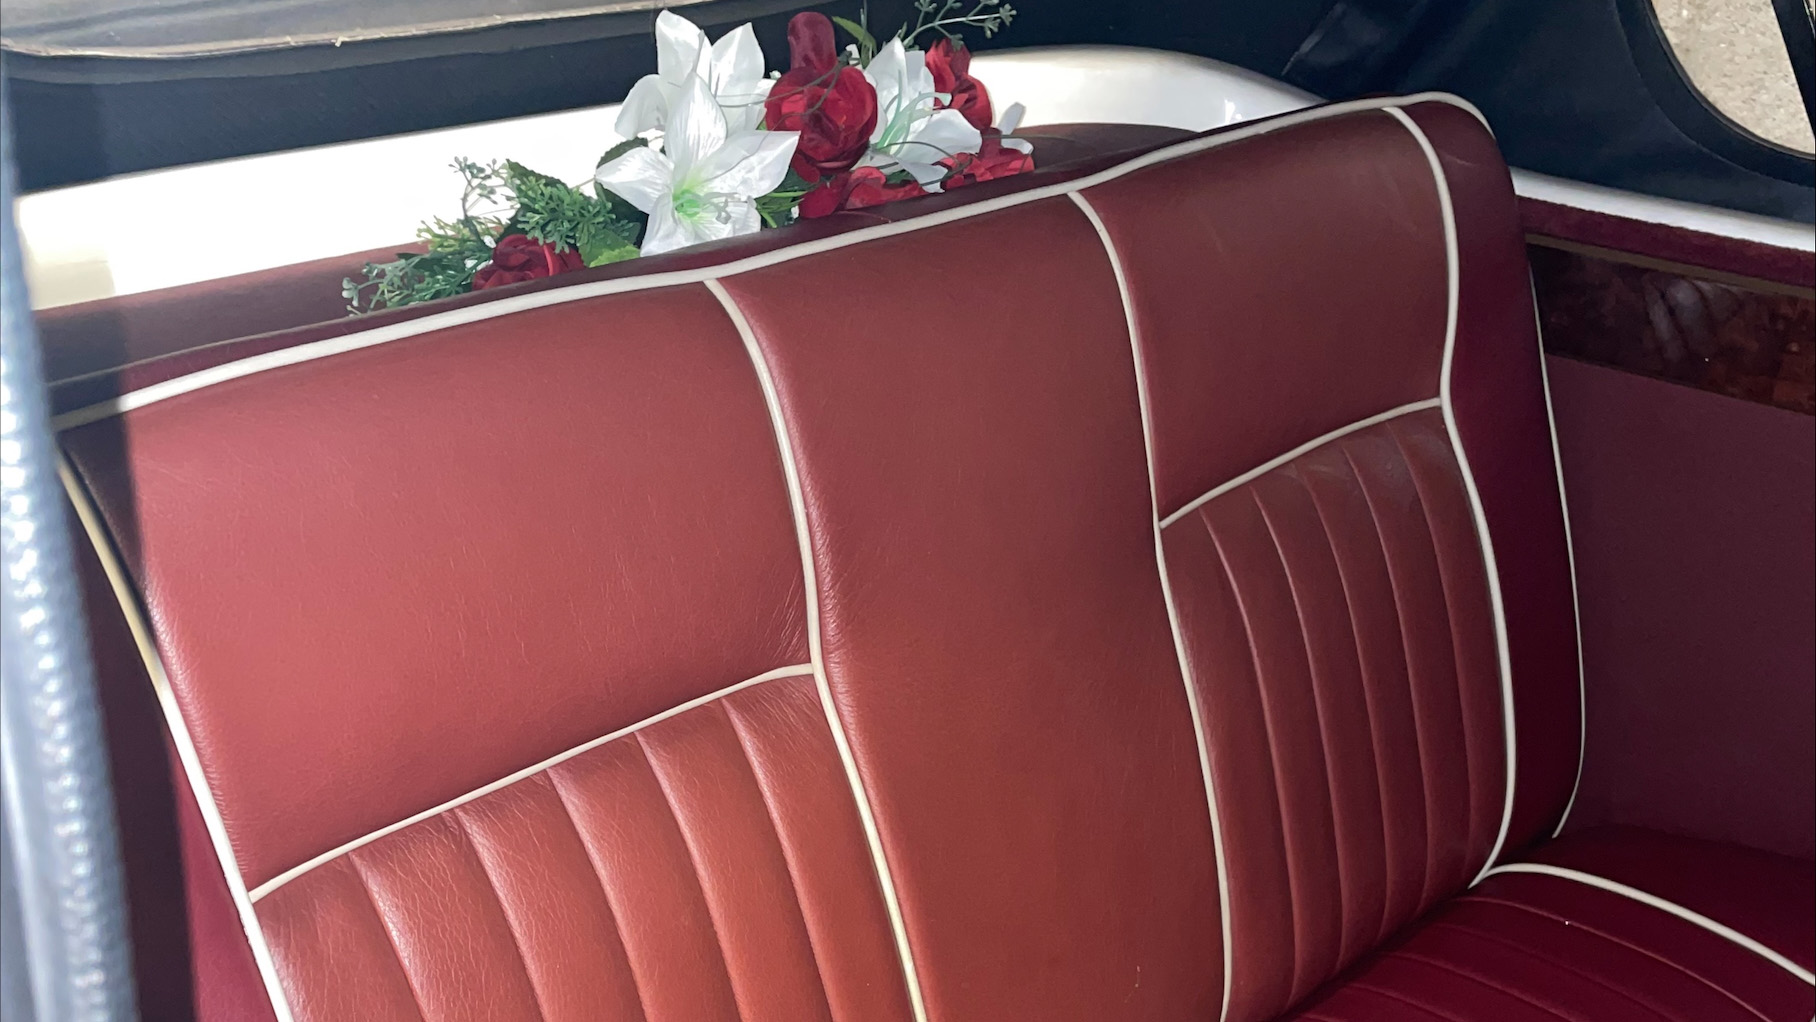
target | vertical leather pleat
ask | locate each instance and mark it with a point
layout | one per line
(710, 867)
(1336, 616)
(571, 945)
(333, 953)
(742, 874)
(449, 931)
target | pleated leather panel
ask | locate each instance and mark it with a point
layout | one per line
(707, 867)
(1526, 948)
(1336, 616)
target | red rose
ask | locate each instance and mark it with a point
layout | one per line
(951, 67)
(858, 189)
(516, 259)
(829, 102)
(991, 161)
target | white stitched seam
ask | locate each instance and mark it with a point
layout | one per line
(792, 671)
(1688, 915)
(1491, 567)
(1166, 593)
(127, 598)
(1576, 605)
(1305, 448)
(577, 292)
(810, 583)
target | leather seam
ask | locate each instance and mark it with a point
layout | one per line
(384, 925)
(1273, 749)
(264, 889)
(1324, 744)
(1520, 949)
(1430, 1009)
(788, 863)
(605, 892)
(1619, 942)
(1576, 605)
(1450, 624)
(1296, 453)
(1426, 816)
(1194, 708)
(1453, 284)
(791, 477)
(1486, 983)
(156, 392)
(1665, 905)
(693, 864)
(1368, 702)
(523, 960)
(126, 594)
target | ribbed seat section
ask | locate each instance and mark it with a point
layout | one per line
(1526, 948)
(708, 867)
(1335, 615)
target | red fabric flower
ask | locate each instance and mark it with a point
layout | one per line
(951, 67)
(858, 189)
(991, 161)
(516, 258)
(829, 102)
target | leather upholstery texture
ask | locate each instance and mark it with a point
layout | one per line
(1337, 625)
(1526, 948)
(1141, 597)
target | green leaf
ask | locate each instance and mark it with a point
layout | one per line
(620, 149)
(516, 174)
(606, 247)
(866, 41)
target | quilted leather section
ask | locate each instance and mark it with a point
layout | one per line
(1336, 616)
(1525, 948)
(707, 867)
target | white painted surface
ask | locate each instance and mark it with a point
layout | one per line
(136, 233)
(1673, 212)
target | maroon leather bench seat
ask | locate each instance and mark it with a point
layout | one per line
(1143, 596)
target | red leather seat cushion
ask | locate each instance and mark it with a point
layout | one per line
(1528, 946)
(1770, 898)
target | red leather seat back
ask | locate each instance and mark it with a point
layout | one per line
(389, 579)
(1090, 603)
(970, 454)
(1331, 590)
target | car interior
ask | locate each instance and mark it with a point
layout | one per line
(1328, 534)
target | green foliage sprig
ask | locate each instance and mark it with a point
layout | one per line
(497, 199)
(777, 208)
(948, 16)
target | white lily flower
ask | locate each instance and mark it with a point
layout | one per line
(731, 67)
(704, 184)
(1006, 125)
(910, 133)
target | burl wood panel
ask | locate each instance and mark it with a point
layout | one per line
(1746, 339)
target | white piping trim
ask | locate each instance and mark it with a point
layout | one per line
(127, 597)
(483, 790)
(1305, 448)
(810, 583)
(1688, 915)
(1454, 286)
(577, 292)
(1576, 605)
(1166, 593)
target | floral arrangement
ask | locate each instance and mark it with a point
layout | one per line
(717, 146)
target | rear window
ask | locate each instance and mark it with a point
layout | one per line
(1733, 54)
